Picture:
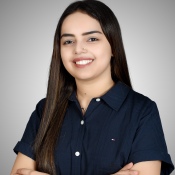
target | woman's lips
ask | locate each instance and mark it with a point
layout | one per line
(81, 62)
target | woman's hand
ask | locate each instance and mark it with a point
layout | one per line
(24, 171)
(126, 170)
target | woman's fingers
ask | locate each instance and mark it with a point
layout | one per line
(128, 166)
(24, 171)
(126, 170)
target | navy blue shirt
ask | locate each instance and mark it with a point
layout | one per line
(119, 127)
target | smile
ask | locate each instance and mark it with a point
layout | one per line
(83, 62)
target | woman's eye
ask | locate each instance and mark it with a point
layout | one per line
(93, 39)
(68, 42)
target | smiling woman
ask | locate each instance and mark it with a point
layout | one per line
(118, 131)
(85, 50)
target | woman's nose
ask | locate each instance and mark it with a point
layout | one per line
(79, 48)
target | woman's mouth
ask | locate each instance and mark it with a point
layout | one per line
(83, 62)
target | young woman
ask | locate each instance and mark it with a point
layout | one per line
(91, 121)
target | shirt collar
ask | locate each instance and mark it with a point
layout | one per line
(114, 97)
(73, 97)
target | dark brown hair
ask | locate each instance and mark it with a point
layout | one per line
(61, 84)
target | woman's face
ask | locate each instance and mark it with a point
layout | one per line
(85, 51)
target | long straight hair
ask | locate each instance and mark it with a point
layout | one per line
(61, 84)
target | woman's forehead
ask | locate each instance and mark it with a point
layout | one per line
(79, 22)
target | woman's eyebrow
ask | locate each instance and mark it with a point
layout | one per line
(91, 32)
(86, 33)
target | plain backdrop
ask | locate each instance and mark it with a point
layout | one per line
(26, 41)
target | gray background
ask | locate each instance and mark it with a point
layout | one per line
(26, 40)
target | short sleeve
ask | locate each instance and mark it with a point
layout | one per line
(149, 142)
(25, 144)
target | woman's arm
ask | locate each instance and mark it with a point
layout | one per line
(145, 168)
(148, 167)
(127, 170)
(25, 166)
(23, 161)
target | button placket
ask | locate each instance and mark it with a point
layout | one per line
(77, 148)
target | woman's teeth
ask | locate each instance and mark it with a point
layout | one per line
(83, 62)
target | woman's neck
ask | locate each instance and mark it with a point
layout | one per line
(91, 89)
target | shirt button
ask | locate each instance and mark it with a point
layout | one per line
(77, 153)
(82, 122)
(97, 99)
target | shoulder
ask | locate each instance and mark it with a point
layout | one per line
(40, 107)
(139, 98)
(133, 95)
(140, 103)
(41, 103)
